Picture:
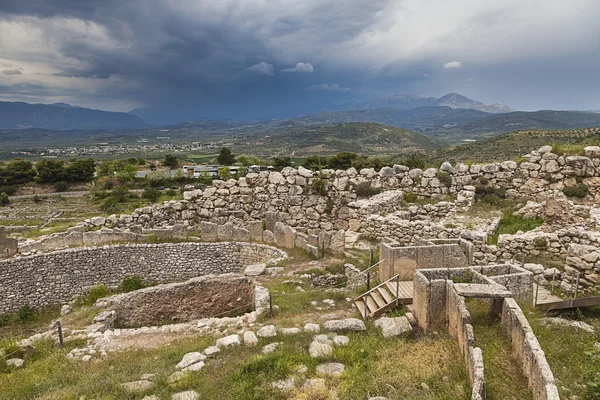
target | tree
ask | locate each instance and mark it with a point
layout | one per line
(170, 161)
(4, 200)
(280, 163)
(151, 194)
(17, 172)
(126, 173)
(247, 161)
(226, 157)
(315, 163)
(50, 171)
(342, 160)
(225, 173)
(80, 171)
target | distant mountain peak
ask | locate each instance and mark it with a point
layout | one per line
(410, 101)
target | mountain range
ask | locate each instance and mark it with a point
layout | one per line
(410, 101)
(61, 116)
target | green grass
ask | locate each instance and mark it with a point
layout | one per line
(374, 366)
(566, 349)
(501, 366)
(512, 223)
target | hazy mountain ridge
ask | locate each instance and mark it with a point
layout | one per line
(410, 101)
(19, 115)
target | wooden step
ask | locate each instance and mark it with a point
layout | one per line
(378, 299)
(361, 307)
(392, 288)
(385, 294)
(371, 304)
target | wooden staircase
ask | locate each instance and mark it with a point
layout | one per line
(384, 297)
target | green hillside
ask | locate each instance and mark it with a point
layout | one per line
(512, 145)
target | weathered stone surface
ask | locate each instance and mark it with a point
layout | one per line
(310, 327)
(250, 338)
(267, 331)
(138, 386)
(255, 269)
(340, 340)
(229, 341)
(348, 324)
(194, 367)
(330, 369)
(187, 395)
(15, 362)
(190, 358)
(393, 326)
(212, 351)
(271, 347)
(318, 349)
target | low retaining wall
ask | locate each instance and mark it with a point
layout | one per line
(53, 278)
(406, 260)
(196, 298)
(528, 351)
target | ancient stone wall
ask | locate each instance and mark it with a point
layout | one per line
(8, 246)
(202, 297)
(528, 351)
(51, 278)
(404, 261)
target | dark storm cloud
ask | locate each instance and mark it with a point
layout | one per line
(235, 58)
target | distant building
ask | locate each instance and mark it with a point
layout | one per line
(211, 170)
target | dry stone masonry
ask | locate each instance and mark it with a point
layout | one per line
(53, 278)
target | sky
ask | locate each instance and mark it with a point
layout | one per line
(252, 59)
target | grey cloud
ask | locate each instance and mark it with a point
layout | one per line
(301, 67)
(11, 72)
(325, 87)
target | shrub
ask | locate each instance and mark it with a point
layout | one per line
(512, 223)
(445, 178)
(131, 283)
(580, 190)
(489, 194)
(151, 194)
(415, 160)
(61, 186)
(592, 376)
(37, 199)
(364, 189)
(9, 190)
(26, 313)
(484, 180)
(410, 197)
(171, 192)
(540, 242)
(319, 185)
(110, 205)
(96, 292)
(4, 200)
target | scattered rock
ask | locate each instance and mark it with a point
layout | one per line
(194, 367)
(290, 331)
(15, 362)
(152, 397)
(565, 322)
(318, 349)
(255, 269)
(341, 340)
(348, 324)
(267, 331)
(270, 348)
(314, 384)
(211, 351)
(313, 328)
(187, 395)
(176, 377)
(65, 309)
(393, 326)
(228, 341)
(250, 338)
(190, 358)
(284, 384)
(138, 386)
(424, 386)
(148, 377)
(330, 369)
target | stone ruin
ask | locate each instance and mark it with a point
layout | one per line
(8, 246)
(202, 297)
(439, 300)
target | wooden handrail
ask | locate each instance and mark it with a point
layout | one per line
(381, 284)
(374, 265)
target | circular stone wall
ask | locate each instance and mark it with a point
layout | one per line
(54, 278)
